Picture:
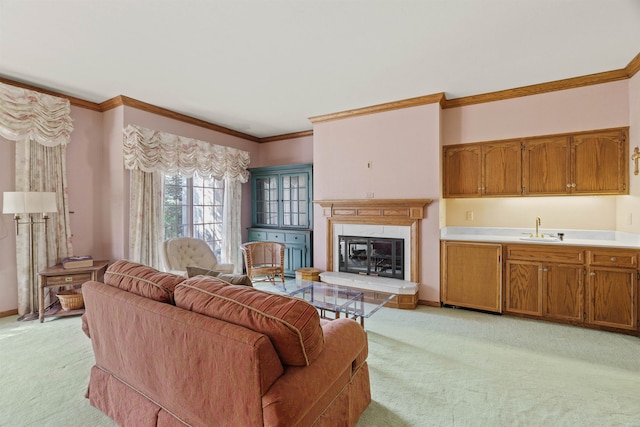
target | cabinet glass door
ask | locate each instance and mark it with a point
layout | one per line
(295, 192)
(266, 206)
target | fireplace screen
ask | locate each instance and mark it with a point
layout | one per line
(374, 256)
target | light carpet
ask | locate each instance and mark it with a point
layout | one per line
(429, 367)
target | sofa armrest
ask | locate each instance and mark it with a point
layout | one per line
(301, 388)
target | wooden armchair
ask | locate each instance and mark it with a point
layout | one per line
(264, 259)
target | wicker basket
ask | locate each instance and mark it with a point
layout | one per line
(70, 300)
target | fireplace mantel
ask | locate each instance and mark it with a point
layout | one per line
(375, 211)
(403, 212)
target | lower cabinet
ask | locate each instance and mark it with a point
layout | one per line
(544, 281)
(612, 296)
(544, 289)
(298, 246)
(584, 286)
(472, 275)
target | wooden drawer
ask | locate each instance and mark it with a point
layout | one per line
(295, 238)
(613, 258)
(69, 279)
(275, 236)
(545, 253)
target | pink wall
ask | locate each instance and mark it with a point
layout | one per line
(586, 108)
(285, 152)
(403, 147)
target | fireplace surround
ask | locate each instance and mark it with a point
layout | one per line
(407, 214)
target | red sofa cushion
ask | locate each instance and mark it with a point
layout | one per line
(142, 280)
(292, 325)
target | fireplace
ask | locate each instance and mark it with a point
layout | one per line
(371, 256)
(376, 219)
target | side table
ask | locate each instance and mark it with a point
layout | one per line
(57, 276)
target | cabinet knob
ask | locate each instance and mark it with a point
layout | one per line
(569, 185)
(592, 274)
(614, 259)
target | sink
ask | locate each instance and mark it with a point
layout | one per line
(540, 239)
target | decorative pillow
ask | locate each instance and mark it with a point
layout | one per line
(292, 325)
(199, 271)
(142, 280)
(236, 279)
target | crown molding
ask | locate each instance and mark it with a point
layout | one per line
(571, 83)
(122, 100)
(379, 108)
(287, 136)
(634, 66)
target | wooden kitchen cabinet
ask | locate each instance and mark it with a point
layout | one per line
(579, 163)
(462, 172)
(612, 289)
(472, 275)
(599, 161)
(476, 170)
(546, 166)
(545, 282)
(501, 169)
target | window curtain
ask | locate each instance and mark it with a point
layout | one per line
(41, 126)
(152, 152)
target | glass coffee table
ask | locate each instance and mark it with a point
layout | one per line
(353, 303)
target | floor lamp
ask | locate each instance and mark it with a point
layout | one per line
(29, 203)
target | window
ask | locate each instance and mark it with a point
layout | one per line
(193, 208)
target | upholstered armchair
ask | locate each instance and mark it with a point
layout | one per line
(264, 259)
(182, 252)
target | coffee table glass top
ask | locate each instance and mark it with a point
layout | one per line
(340, 299)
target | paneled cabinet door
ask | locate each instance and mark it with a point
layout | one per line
(462, 173)
(502, 169)
(599, 162)
(563, 292)
(472, 275)
(523, 287)
(546, 166)
(612, 297)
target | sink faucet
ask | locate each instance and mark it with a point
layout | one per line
(538, 222)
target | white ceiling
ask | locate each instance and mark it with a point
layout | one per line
(263, 67)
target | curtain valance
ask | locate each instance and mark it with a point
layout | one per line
(27, 114)
(153, 151)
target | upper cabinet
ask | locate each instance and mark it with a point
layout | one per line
(282, 196)
(584, 163)
(462, 171)
(600, 164)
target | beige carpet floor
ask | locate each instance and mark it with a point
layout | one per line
(429, 367)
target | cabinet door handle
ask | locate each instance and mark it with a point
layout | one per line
(68, 279)
(592, 274)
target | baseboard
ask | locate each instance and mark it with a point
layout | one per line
(428, 303)
(8, 313)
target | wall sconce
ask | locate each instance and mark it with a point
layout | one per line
(635, 156)
(31, 202)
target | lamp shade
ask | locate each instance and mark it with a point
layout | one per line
(13, 202)
(17, 202)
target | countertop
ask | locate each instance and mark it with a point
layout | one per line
(597, 238)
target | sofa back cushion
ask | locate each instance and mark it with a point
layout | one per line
(142, 280)
(292, 325)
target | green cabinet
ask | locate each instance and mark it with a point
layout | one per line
(282, 211)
